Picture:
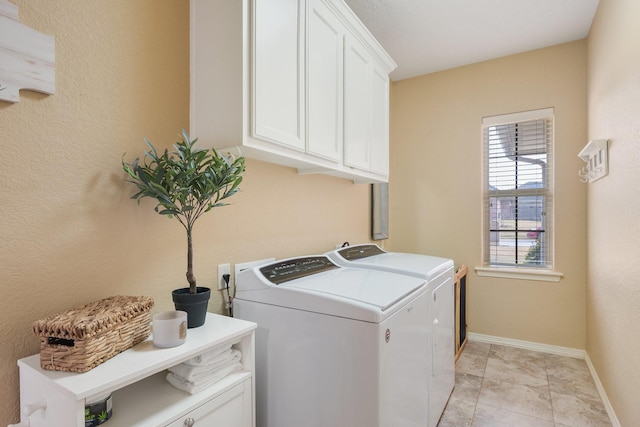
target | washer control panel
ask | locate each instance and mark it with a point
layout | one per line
(296, 268)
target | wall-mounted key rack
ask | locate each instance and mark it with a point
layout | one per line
(595, 155)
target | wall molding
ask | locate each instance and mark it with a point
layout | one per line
(528, 345)
(603, 394)
(553, 349)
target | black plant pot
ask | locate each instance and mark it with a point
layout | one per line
(194, 304)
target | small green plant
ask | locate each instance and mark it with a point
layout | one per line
(534, 254)
(186, 183)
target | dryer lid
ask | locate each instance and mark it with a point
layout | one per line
(371, 256)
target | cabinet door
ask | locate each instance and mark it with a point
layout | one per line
(357, 104)
(325, 45)
(379, 141)
(278, 71)
(232, 408)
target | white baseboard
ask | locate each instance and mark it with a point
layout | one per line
(603, 395)
(553, 349)
(528, 345)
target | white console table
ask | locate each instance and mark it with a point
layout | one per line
(141, 395)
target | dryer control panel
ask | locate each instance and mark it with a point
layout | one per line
(296, 268)
(361, 251)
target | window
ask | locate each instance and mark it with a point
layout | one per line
(518, 193)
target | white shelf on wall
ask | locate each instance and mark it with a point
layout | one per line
(595, 155)
(27, 57)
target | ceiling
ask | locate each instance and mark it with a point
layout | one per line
(425, 36)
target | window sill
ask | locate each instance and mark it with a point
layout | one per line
(520, 273)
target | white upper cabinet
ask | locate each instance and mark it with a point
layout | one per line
(278, 72)
(379, 141)
(325, 46)
(300, 83)
(357, 105)
(366, 104)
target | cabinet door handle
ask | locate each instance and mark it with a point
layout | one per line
(189, 422)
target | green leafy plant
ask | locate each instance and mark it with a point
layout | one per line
(186, 183)
(534, 254)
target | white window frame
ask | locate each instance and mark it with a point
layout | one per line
(529, 272)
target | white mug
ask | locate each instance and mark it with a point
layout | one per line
(169, 328)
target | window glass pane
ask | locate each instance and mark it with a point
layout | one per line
(517, 228)
(518, 193)
(516, 160)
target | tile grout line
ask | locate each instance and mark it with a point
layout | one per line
(484, 371)
(546, 372)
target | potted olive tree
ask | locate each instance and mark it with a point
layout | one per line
(186, 183)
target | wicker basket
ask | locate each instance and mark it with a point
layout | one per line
(81, 339)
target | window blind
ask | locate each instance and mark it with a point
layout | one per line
(518, 194)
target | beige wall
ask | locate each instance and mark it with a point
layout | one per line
(436, 192)
(613, 293)
(70, 233)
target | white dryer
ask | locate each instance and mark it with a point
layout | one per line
(336, 346)
(439, 275)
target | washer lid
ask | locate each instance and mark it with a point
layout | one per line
(318, 285)
(371, 256)
(377, 288)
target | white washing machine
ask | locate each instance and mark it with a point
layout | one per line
(439, 275)
(336, 346)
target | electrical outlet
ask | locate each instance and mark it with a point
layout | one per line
(222, 270)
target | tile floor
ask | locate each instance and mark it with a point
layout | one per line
(506, 386)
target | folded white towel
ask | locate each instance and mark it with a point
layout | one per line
(192, 373)
(204, 382)
(210, 356)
